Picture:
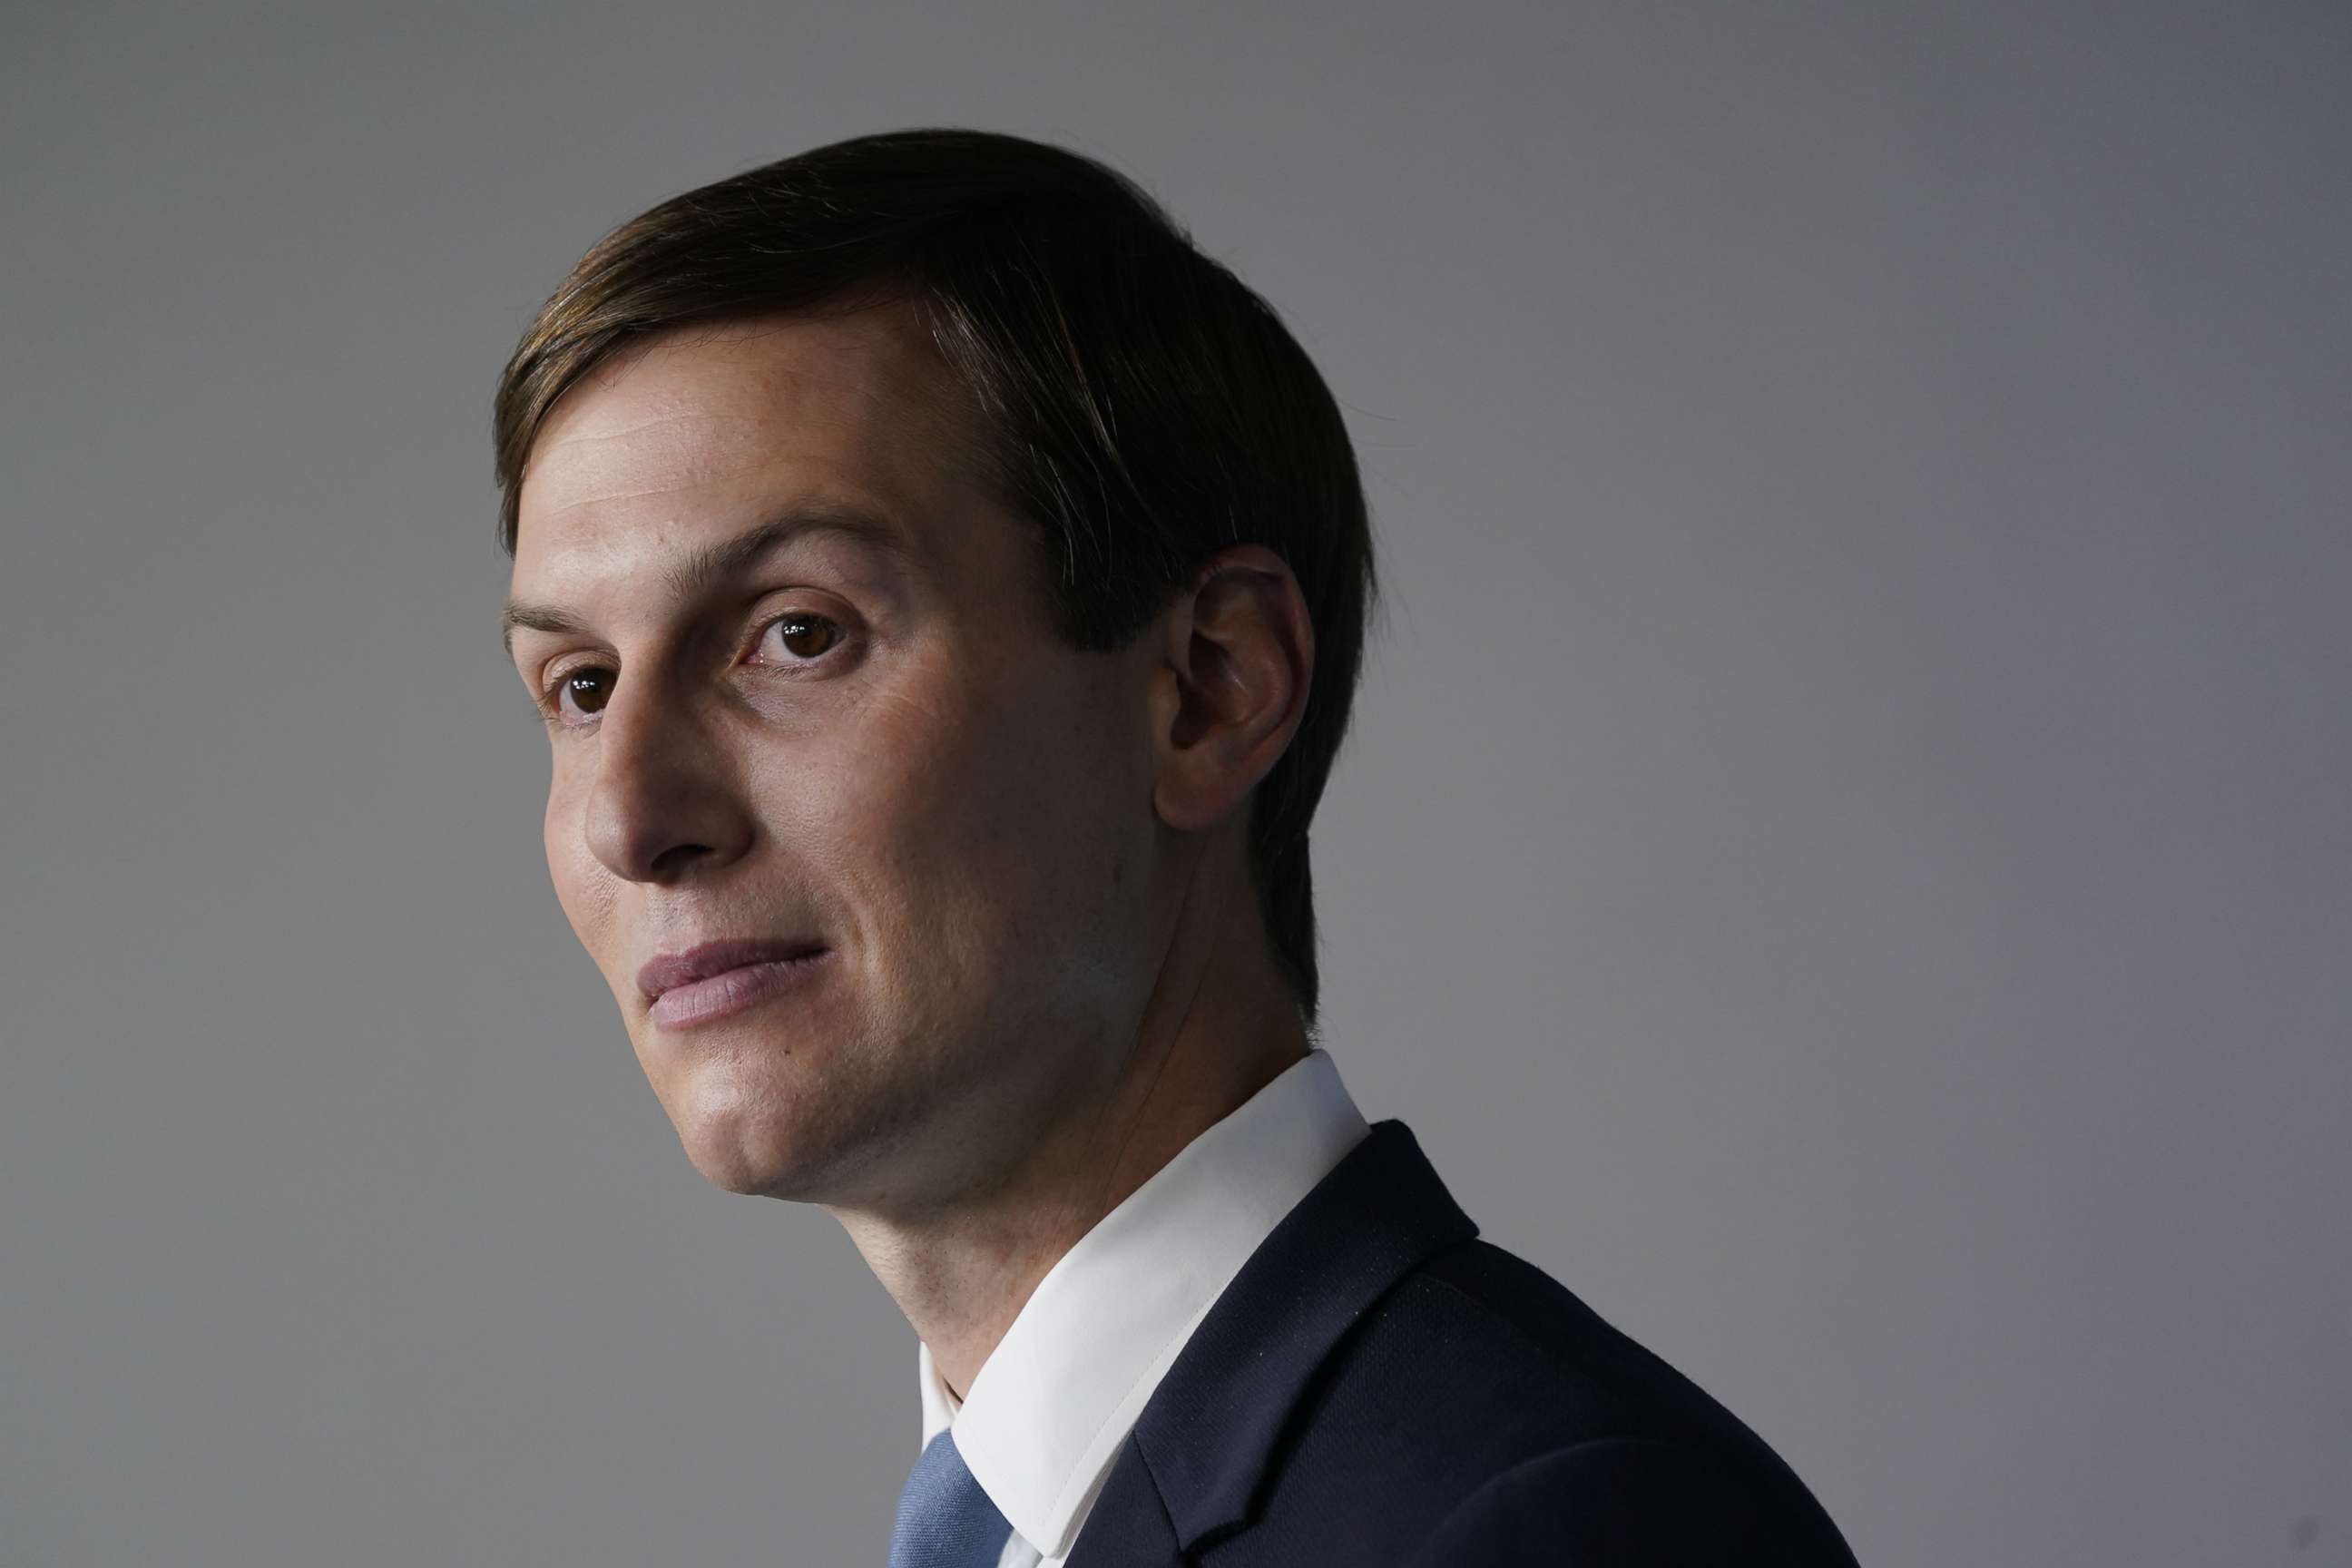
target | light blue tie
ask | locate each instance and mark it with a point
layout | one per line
(945, 1521)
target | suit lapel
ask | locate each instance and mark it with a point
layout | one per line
(1129, 1526)
(1200, 1450)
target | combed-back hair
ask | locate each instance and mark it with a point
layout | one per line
(1144, 407)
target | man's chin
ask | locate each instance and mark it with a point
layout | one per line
(732, 1165)
(743, 1120)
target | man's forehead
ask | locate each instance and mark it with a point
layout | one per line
(659, 467)
(696, 410)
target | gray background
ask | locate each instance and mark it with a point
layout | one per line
(1843, 859)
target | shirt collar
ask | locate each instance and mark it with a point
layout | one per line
(1047, 1411)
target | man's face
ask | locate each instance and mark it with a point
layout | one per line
(805, 692)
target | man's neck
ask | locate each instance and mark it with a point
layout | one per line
(963, 1276)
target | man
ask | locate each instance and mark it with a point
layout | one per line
(944, 589)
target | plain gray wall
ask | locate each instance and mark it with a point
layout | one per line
(1843, 859)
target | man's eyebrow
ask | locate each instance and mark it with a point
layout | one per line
(713, 564)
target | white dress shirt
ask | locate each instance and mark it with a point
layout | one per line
(1048, 1410)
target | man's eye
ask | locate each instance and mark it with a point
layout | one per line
(800, 636)
(581, 692)
(797, 638)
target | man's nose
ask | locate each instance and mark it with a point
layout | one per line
(665, 802)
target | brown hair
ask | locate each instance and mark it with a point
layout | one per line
(1147, 408)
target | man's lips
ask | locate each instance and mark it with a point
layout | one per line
(738, 990)
(669, 971)
(719, 979)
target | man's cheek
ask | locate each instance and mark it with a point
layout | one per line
(587, 898)
(917, 770)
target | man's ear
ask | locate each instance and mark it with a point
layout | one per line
(1237, 653)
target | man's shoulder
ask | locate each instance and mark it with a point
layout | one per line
(1483, 1411)
(1379, 1386)
(1514, 1332)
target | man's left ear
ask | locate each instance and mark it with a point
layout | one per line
(1237, 656)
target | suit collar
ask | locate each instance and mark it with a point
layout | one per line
(1209, 1431)
(1049, 1409)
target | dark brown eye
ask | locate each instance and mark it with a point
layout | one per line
(802, 635)
(585, 691)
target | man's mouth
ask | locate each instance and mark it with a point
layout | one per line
(716, 980)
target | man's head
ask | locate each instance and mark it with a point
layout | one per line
(928, 558)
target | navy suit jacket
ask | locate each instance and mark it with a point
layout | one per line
(1378, 1386)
